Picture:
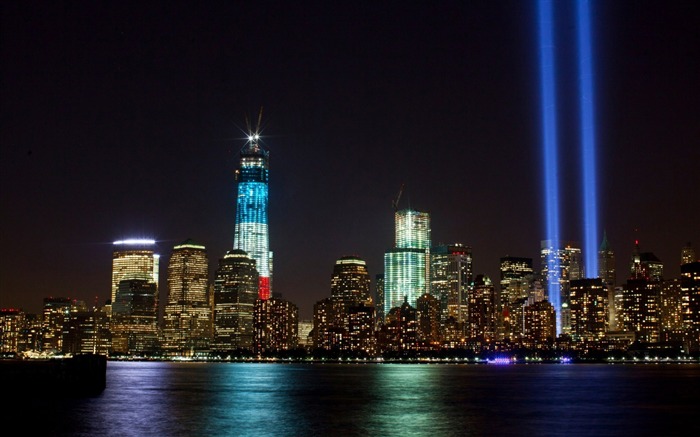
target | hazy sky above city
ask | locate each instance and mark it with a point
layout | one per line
(125, 119)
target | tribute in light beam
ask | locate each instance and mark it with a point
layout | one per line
(588, 155)
(549, 150)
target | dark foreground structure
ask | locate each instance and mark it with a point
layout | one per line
(81, 375)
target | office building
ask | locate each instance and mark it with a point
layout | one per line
(350, 282)
(187, 317)
(407, 265)
(560, 264)
(276, 324)
(429, 319)
(688, 254)
(134, 322)
(589, 309)
(55, 312)
(251, 233)
(236, 289)
(516, 278)
(379, 299)
(450, 275)
(134, 259)
(645, 265)
(483, 313)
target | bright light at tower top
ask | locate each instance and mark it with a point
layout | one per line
(134, 242)
(253, 137)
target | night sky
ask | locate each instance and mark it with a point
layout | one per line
(124, 119)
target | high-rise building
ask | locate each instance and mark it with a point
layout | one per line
(276, 326)
(482, 320)
(134, 259)
(688, 254)
(361, 340)
(690, 294)
(56, 311)
(251, 231)
(350, 283)
(235, 291)
(379, 298)
(407, 265)
(560, 264)
(412, 229)
(399, 335)
(589, 309)
(306, 334)
(639, 309)
(645, 265)
(450, 275)
(539, 325)
(606, 262)
(134, 324)
(516, 277)
(188, 318)
(351, 303)
(671, 310)
(607, 272)
(11, 325)
(329, 330)
(86, 331)
(429, 319)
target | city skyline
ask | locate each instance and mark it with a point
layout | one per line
(121, 122)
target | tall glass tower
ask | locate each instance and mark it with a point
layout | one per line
(407, 265)
(250, 232)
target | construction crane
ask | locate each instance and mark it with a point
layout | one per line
(395, 202)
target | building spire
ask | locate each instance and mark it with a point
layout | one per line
(605, 245)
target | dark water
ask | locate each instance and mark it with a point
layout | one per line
(241, 399)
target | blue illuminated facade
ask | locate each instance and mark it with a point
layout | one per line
(251, 230)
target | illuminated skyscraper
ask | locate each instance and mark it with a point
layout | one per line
(429, 319)
(606, 272)
(589, 309)
(133, 259)
(251, 232)
(412, 229)
(645, 265)
(56, 312)
(606, 262)
(187, 322)
(690, 305)
(407, 265)
(688, 254)
(450, 276)
(276, 326)
(379, 297)
(235, 292)
(483, 314)
(350, 282)
(516, 279)
(134, 324)
(560, 265)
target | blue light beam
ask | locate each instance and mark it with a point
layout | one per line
(588, 149)
(549, 150)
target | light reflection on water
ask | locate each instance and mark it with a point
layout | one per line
(246, 399)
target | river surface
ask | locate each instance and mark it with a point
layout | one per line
(275, 399)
